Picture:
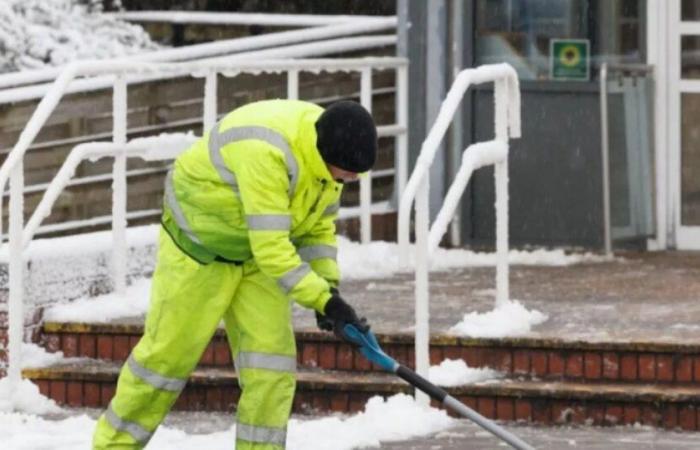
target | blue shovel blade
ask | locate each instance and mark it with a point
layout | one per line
(370, 347)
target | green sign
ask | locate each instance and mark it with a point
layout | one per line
(570, 59)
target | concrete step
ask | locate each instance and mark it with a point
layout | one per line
(547, 359)
(92, 383)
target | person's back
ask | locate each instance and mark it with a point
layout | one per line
(271, 142)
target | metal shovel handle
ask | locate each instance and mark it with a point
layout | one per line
(370, 348)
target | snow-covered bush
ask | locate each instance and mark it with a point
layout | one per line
(39, 33)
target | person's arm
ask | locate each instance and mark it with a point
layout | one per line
(261, 175)
(319, 246)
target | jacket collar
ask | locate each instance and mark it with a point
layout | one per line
(314, 161)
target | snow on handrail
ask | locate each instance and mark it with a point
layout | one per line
(507, 124)
(249, 61)
(466, 78)
(474, 157)
(59, 87)
(149, 149)
(224, 18)
(223, 47)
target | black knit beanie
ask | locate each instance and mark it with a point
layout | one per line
(347, 137)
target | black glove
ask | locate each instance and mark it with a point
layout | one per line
(339, 313)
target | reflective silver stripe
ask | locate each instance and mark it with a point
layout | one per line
(218, 161)
(332, 209)
(294, 276)
(255, 360)
(264, 134)
(174, 206)
(269, 222)
(261, 435)
(317, 251)
(156, 380)
(139, 433)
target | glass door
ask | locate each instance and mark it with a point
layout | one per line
(684, 115)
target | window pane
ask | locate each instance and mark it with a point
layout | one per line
(690, 10)
(690, 57)
(690, 160)
(520, 31)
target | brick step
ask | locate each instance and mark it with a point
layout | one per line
(548, 359)
(92, 384)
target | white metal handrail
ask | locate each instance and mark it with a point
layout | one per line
(12, 168)
(237, 18)
(507, 124)
(305, 50)
(331, 29)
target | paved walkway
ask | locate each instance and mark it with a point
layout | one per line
(637, 297)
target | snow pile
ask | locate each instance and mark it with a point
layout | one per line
(26, 397)
(455, 372)
(381, 259)
(35, 356)
(105, 307)
(396, 419)
(508, 319)
(41, 33)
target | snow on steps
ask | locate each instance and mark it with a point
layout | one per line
(548, 359)
(547, 381)
(214, 389)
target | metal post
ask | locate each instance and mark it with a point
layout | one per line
(366, 179)
(16, 274)
(422, 341)
(210, 105)
(119, 112)
(501, 180)
(401, 157)
(435, 89)
(293, 85)
(456, 130)
(605, 151)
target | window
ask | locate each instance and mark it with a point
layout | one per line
(520, 31)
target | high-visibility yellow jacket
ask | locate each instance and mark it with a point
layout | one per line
(256, 186)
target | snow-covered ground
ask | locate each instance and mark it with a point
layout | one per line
(43, 33)
(395, 419)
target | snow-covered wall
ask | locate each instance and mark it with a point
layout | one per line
(63, 269)
(42, 33)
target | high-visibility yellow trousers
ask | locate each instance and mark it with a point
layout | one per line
(188, 301)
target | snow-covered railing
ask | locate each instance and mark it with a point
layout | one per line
(231, 18)
(12, 168)
(495, 152)
(278, 43)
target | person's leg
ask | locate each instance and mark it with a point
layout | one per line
(187, 303)
(259, 327)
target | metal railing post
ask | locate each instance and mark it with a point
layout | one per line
(366, 179)
(293, 84)
(119, 112)
(210, 106)
(401, 158)
(501, 180)
(16, 275)
(422, 340)
(605, 156)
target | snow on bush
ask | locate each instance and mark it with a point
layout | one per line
(40, 33)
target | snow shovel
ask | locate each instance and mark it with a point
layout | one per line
(370, 349)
